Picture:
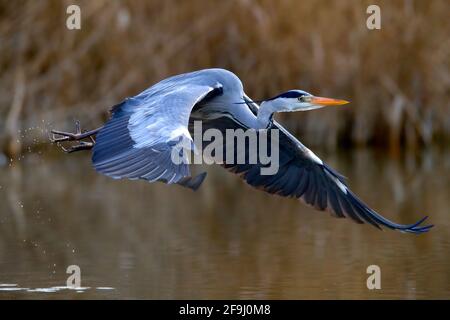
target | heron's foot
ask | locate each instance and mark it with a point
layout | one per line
(78, 147)
(78, 135)
(67, 136)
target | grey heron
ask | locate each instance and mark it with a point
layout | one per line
(137, 141)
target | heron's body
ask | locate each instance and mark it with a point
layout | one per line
(137, 142)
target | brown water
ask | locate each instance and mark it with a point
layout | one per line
(143, 240)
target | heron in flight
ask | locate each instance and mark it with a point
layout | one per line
(138, 139)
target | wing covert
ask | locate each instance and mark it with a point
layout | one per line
(146, 130)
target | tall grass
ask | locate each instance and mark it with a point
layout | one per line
(397, 78)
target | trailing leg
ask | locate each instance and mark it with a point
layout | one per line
(76, 136)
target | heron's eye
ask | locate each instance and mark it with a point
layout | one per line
(301, 99)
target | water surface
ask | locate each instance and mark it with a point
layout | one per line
(132, 239)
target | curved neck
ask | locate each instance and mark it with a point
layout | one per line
(265, 115)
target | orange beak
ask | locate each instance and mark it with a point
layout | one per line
(327, 101)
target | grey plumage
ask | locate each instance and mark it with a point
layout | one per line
(136, 143)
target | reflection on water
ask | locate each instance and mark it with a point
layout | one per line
(225, 241)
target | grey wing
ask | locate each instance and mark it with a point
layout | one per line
(146, 131)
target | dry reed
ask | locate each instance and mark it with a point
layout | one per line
(397, 78)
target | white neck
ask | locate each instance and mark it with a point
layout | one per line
(266, 109)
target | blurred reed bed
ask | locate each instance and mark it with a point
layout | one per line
(397, 78)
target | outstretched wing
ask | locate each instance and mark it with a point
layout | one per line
(301, 174)
(144, 132)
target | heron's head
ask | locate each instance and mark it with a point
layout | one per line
(298, 100)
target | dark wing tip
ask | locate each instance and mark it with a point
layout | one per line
(416, 227)
(377, 220)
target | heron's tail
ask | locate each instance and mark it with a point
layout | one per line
(193, 182)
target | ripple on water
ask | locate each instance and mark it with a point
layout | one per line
(14, 287)
(11, 287)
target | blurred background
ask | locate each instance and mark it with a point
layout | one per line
(229, 241)
(397, 78)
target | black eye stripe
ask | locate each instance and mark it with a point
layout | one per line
(289, 94)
